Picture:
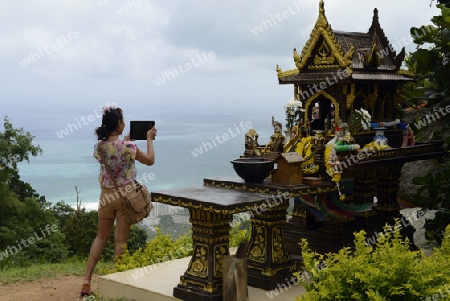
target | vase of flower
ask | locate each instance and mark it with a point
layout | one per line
(293, 110)
(380, 138)
(287, 134)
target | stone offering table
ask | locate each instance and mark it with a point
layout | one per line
(211, 212)
(319, 192)
(211, 209)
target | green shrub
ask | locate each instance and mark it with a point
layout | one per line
(388, 271)
(164, 248)
(160, 249)
(239, 233)
(434, 228)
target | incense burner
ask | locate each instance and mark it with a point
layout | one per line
(253, 169)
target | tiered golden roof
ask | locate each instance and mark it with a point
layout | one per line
(364, 56)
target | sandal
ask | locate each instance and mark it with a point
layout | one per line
(85, 290)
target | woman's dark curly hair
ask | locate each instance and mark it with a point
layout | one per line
(110, 120)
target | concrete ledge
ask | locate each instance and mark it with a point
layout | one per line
(156, 283)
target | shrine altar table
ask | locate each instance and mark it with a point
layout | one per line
(211, 212)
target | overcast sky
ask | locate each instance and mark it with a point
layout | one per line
(61, 54)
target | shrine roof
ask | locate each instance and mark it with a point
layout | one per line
(314, 77)
(333, 77)
(362, 42)
(381, 76)
(364, 56)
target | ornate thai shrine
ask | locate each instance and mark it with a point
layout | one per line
(343, 123)
(345, 71)
(339, 158)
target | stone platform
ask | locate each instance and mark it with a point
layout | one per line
(156, 283)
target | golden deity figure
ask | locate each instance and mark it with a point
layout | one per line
(332, 163)
(275, 145)
(251, 143)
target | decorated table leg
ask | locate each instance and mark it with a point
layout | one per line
(387, 207)
(269, 263)
(388, 185)
(365, 184)
(203, 277)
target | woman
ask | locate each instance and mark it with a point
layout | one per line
(121, 156)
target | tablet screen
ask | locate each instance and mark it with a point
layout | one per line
(138, 129)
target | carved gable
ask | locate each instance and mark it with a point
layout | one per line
(365, 56)
(323, 50)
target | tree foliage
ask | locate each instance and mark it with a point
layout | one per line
(80, 230)
(25, 216)
(168, 226)
(137, 239)
(431, 64)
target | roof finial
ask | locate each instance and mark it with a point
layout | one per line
(322, 21)
(375, 13)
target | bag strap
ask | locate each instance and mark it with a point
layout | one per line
(108, 169)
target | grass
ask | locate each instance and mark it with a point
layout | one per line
(73, 266)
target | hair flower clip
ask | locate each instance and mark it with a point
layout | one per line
(106, 109)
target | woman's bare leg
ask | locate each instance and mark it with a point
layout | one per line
(105, 226)
(121, 235)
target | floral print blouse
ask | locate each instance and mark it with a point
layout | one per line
(120, 155)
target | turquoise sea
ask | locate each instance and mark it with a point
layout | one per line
(188, 148)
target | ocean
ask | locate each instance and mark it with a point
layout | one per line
(188, 148)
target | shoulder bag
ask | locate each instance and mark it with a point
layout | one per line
(136, 202)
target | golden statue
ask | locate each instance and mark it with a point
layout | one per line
(251, 143)
(277, 127)
(275, 145)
